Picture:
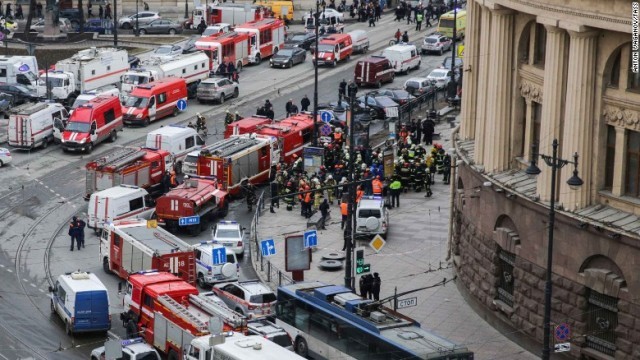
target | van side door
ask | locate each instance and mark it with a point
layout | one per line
(152, 108)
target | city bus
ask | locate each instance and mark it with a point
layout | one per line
(331, 322)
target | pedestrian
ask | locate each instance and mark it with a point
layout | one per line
(73, 233)
(372, 19)
(100, 12)
(305, 103)
(231, 69)
(376, 186)
(363, 286)
(81, 225)
(173, 181)
(202, 26)
(38, 9)
(7, 12)
(418, 130)
(398, 36)
(342, 89)
(146, 6)
(409, 14)
(107, 12)
(344, 210)
(419, 21)
(288, 106)
(428, 128)
(447, 169)
(375, 286)
(324, 210)
(275, 201)
(19, 14)
(405, 37)
(89, 10)
(368, 282)
(166, 182)
(395, 187)
(428, 18)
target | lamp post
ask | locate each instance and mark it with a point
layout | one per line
(137, 24)
(115, 23)
(555, 163)
(186, 9)
(316, 18)
(453, 89)
(352, 90)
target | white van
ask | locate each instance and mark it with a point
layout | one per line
(360, 41)
(403, 57)
(209, 273)
(31, 124)
(372, 217)
(118, 202)
(190, 163)
(82, 302)
(90, 95)
(178, 140)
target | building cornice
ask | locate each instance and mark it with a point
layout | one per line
(621, 113)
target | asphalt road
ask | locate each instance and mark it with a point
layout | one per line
(42, 190)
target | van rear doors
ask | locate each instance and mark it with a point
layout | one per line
(91, 311)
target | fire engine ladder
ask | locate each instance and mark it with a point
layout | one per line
(234, 146)
(230, 317)
(120, 158)
(181, 311)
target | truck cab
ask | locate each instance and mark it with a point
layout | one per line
(332, 49)
(92, 123)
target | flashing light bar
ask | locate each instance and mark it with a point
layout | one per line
(132, 341)
(208, 242)
(371, 197)
(147, 272)
(228, 222)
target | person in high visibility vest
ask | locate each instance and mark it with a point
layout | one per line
(307, 202)
(359, 193)
(344, 210)
(395, 187)
(173, 180)
(376, 186)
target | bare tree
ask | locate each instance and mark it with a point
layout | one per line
(32, 11)
(81, 30)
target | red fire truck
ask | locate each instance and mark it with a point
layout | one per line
(293, 133)
(239, 158)
(169, 313)
(224, 48)
(129, 246)
(197, 198)
(142, 167)
(246, 125)
(266, 37)
(231, 14)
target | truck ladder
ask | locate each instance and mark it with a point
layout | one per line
(181, 311)
(231, 146)
(120, 158)
(230, 317)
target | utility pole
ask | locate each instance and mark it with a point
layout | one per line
(316, 19)
(453, 89)
(137, 23)
(115, 23)
(352, 90)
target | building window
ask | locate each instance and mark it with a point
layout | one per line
(536, 117)
(506, 263)
(632, 172)
(540, 45)
(611, 157)
(602, 323)
(614, 75)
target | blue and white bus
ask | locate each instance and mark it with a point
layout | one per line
(331, 322)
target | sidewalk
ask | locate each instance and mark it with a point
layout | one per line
(413, 257)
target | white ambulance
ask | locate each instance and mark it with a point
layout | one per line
(178, 140)
(31, 124)
(403, 57)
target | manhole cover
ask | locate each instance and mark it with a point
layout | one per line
(330, 265)
(333, 256)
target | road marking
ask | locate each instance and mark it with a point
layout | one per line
(4, 357)
(32, 284)
(25, 280)
(9, 270)
(1, 266)
(111, 334)
(42, 291)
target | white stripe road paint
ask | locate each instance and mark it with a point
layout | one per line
(4, 357)
(41, 290)
(9, 270)
(1, 266)
(33, 285)
(25, 280)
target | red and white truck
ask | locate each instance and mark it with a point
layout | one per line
(266, 37)
(224, 13)
(129, 246)
(170, 313)
(198, 198)
(232, 47)
(238, 158)
(143, 167)
(245, 126)
(292, 134)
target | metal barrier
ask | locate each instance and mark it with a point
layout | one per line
(426, 100)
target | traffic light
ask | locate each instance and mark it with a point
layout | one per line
(361, 267)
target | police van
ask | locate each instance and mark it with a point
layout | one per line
(209, 273)
(82, 302)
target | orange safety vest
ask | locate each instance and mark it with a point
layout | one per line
(359, 195)
(344, 208)
(376, 186)
(307, 197)
(300, 195)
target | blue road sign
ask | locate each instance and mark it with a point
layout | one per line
(219, 255)
(182, 105)
(310, 238)
(562, 332)
(325, 116)
(189, 220)
(268, 247)
(325, 130)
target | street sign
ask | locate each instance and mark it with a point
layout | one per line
(325, 139)
(152, 224)
(325, 116)
(268, 247)
(391, 112)
(189, 220)
(562, 332)
(377, 243)
(310, 238)
(325, 130)
(405, 303)
(113, 349)
(181, 105)
(219, 255)
(562, 347)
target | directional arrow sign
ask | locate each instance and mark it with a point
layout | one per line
(189, 220)
(219, 255)
(268, 247)
(181, 105)
(325, 116)
(310, 238)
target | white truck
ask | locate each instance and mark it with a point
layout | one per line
(234, 346)
(192, 68)
(31, 125)
(19, 70)
(87, 70)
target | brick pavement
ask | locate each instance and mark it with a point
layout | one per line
(416, 248)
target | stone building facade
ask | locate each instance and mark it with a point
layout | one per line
(535, 71)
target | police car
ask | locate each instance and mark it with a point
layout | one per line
(208, 272)
(133, 349)
(231, 235)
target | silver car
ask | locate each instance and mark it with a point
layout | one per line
(63, 23)
(252, 298)
(144, 17)
(217, 89)
(436, 43)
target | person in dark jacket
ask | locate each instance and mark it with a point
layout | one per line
(73, 233)
(202, 26)
(81, 225)
(288, 107)
(363, 286)
(405, 37)
(166, 182)
(324, 210)
(428, 128)
(368, 282)
(375, 286)
(275, 201)
(305, 103)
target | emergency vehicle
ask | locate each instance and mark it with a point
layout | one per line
(236, 347)
(92, 123)
(224, 13)
(179, 140)
(153, 101)
(170, 313)
(225, 48)
(403, 57)
(31, 124)
(332, 49)
(143, 167)
(373, 70)
(292, 134)
(246, 125)
(239, 158)
(19, 70)
(266, 37)
(117, 203)
(195, 197)
(129, 246)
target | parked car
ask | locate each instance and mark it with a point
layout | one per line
(436, 43)
(5, 156)
(160, 26)
(6, 102)
(217, 89)
(271, 331)
(339, 114)
(442, 77)
(190, 45)
(219, 28)
(63, 23)
(378, 103)
(252, 298)
(419, 85)
(400, 96)
(288, 57)
(20, 93)
(163, 51)
(97, 25)
(446, 63)
(144, 17)
(300, 40)
(132, 349)
(231, 235)
(73, 14)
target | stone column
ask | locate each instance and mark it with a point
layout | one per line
(555, 73)
(529, 128)
(496, 137)
(578, 117)
(470, 83)
(481, 88)
(621, 162)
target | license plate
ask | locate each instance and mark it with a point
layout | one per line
(227, 245)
